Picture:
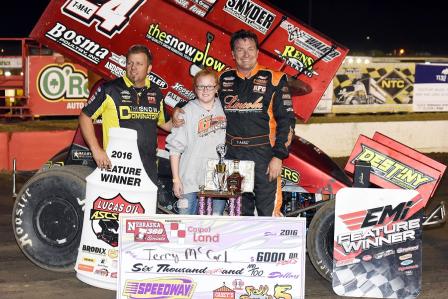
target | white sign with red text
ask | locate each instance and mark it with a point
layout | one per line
(377, 243)
(173, 256)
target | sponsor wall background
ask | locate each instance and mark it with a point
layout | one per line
(374, 87)
(386, 87)
(56, 89)
(431, 87)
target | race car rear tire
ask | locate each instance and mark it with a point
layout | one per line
(47, 216)
(320, 240)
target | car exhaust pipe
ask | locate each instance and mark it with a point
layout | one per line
(14, 173)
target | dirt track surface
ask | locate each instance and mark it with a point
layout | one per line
(19, 278)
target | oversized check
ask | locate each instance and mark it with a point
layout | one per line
(173, 256)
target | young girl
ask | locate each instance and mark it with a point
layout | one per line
(195, 142)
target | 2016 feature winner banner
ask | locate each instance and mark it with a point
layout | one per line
(377, 243)
(373, 87)
(165, 256)
(431, 87)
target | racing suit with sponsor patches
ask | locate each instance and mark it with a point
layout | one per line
(122, 105)
(260, 122)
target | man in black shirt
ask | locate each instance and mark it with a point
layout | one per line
(128, 102)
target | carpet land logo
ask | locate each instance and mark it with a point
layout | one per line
(62, 83)
(391, 170)
(166, 288)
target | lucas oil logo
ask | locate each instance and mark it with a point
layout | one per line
(104, 217)
(167, 288)
(250, 13)
(62, 83)
(391, 170)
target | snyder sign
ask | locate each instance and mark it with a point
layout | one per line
(166, 256)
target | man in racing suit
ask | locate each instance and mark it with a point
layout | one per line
(127, 102)
(260, 119)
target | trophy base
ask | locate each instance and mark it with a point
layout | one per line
(206, 202)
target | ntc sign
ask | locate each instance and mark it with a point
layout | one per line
(62, 82)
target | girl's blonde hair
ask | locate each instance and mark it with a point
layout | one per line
(203, 73)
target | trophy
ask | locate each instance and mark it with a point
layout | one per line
(220, 172)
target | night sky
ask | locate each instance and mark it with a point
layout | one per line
(362, 25)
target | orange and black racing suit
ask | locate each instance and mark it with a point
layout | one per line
(260, 122)
(125, 106)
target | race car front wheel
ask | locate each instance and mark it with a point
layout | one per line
(320, 238)
(47, 216)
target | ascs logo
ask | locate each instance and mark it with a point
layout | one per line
(62, 83)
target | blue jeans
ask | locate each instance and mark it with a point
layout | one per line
(191, 202)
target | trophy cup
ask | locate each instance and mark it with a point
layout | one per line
(220, 172)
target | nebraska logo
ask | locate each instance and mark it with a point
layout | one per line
(62, 83)
(167, 288)
(391, 170)
(111, 16)
(147, 230)
(104, 217)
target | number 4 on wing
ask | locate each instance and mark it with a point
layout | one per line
(111, 16)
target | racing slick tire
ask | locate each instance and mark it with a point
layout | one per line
(320, 238)
(47, 216)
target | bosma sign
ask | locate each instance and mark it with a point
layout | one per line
(56, 89)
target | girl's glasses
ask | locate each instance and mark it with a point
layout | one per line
(207, 87)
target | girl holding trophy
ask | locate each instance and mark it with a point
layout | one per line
(192, 144)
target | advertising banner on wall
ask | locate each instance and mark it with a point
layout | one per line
(10, 62)
(326, 102)
(200, 257)
(377, 243)
(56, 89)
(431, 87)
(374, 87)
(187, 35)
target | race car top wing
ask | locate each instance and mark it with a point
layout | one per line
(187, 35)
